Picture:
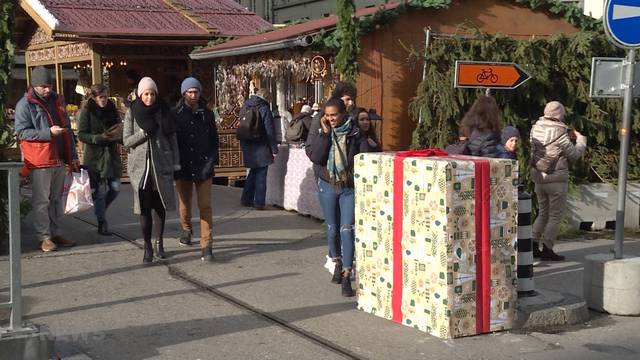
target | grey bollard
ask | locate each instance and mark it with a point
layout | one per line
(525, 246)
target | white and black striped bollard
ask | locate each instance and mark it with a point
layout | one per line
(525, 246)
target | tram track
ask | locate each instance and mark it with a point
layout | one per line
(269, 317)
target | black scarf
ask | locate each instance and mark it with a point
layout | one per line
(108, 114)
(147, 117)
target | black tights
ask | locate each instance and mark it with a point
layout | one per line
(150, 200)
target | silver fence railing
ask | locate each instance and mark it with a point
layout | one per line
(13, 210)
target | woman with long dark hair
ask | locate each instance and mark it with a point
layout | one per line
(150, 137)
(368, 140)
(100, 130)
(332, 151)
(483, 123)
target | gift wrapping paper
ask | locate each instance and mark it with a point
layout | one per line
(438, 266)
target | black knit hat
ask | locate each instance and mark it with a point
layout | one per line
(41, 76)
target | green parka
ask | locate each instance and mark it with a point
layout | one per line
(100, 156)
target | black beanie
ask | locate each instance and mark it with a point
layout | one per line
(41, 76)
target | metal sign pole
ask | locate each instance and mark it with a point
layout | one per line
(624, 151)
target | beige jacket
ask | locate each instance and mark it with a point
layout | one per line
(550, 144)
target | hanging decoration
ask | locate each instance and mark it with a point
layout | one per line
(232, 81)
(318, 67)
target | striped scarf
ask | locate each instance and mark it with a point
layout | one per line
(337, 163)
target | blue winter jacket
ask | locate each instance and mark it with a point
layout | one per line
(260, 153)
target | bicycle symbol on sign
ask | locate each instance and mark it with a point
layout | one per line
(487, 75)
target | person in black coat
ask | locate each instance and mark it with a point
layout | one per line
(332, 150)
(198, 145)
(259, 154)
(100, 130)
(483, 123)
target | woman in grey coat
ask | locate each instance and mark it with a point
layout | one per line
(150, 136)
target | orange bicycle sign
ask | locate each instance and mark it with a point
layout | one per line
(489, 75)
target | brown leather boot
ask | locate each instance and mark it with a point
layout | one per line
(62, 242)
(47, 245)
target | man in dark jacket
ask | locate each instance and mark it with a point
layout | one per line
(47, 144)
(198, 146)
(258, 154)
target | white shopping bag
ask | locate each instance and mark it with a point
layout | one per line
(76, 195)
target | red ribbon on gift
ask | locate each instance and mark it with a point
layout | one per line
(483, 245)
(398, 182)
(483, 234)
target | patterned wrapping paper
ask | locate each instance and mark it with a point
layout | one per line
(438, 243)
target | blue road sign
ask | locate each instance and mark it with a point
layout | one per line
(622, 22)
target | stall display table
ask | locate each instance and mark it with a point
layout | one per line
(291, 183)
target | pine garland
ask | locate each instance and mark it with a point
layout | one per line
(7, 50)
(347, 37)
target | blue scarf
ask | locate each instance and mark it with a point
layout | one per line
(337, 163)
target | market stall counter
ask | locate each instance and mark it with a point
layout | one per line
(291, 183)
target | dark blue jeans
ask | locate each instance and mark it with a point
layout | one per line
(103, 196)
(255, 187)
(338, 208)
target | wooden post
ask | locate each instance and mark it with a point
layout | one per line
(27, 68)
(59, 79)
(96, 68)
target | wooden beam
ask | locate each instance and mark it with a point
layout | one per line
(61, 61)
(34, 15)
(96, 68)
(59, 79)
(49, 44)
(27, 70)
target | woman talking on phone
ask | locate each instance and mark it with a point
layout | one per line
(100, 129)
(333, 148)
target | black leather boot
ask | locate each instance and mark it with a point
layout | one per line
(337, 273)
(536, 250)
(548, 254)
(159, 249)
(103, 228)
(148, 253)
(347, 290)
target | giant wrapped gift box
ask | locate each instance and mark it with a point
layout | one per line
(435, 240)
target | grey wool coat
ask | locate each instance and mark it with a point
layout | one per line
(165, 159)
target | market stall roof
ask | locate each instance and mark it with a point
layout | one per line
(143, 18)
(294, 35)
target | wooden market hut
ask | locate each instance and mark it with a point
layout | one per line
(386, 83)
(91, 41)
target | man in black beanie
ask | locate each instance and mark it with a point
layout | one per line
(47, 144)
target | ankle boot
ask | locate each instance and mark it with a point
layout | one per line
(536, 250)
(206, 254)
(159, 249)
(548, 254)
(347, 290)
(148, 253)
(103, 228)
(337, 273)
